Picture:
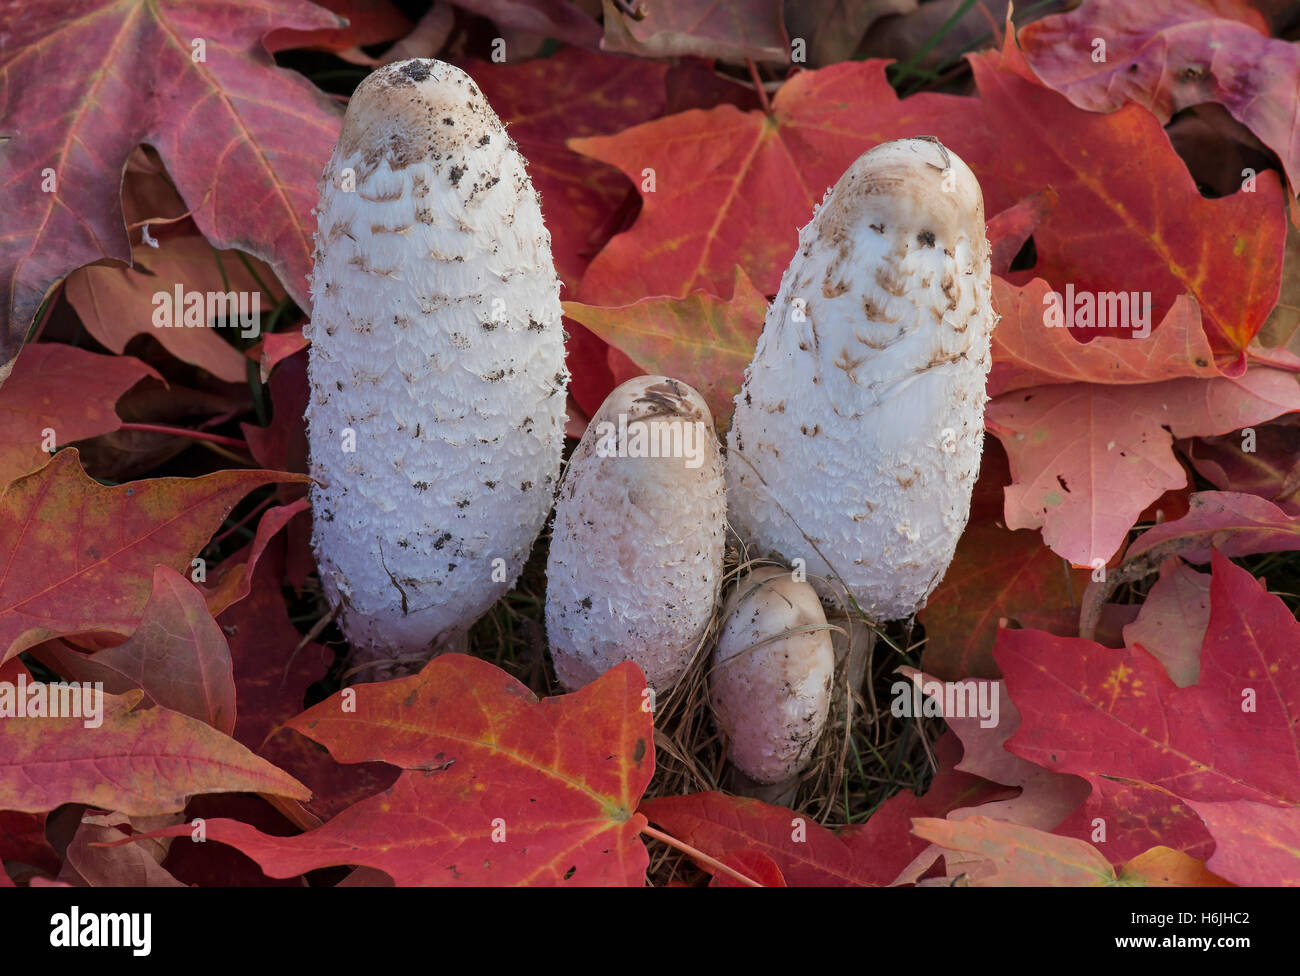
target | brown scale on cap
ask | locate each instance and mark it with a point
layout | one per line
(909, 191)
(407, 112)
(669, 398)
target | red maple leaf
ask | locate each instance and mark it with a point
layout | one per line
(1105, 714)
(243, 140)
(496, 788)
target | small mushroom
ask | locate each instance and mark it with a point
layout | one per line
(636, 551)
(770, 681)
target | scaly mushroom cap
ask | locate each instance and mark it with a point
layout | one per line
(636, 551)
(771, 693)
(858, 431)
(436, 339)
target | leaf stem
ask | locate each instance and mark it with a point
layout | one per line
(699, 855)
(159, 220)
(758, 87)
(198, 435)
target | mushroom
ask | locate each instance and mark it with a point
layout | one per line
(636, 550)
(438, 386)
(770, 681)
(858, 430)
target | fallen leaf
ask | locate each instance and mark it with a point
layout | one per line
(276, 347)
(282, 444)
(234, 575)
(729, 30)
(831, 29)
(178, 656)
(1087, 459)
(1164, 867)
(939, 32)
(559, 19)
(425, 40)
(1123, 818)
(76, 557)
(272, 677)
(700, 339)
(1064, 621)
(716, 823)
(118, 304)
(243, 140)
(1171, 624)
(1129, 216)
(555, 782)
(985, 852)
(994, 574)
(1281, 330)
(1255, 843)
(1009, 230)
(1263, 461)
(130, 454)
(1171, 55)
(138, 762)
(367, 22)
(807, 853)
(1046, 798)
(1102, 714)
(1013, 854)
(1230, 522)
(63, 391)
(195, 862)
(754, 865)
(122, 866)
(22, 838)
(721, 173)
(1026, 352)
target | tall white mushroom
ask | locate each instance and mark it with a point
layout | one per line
(635, 560)
(436, 419)
(858, 431)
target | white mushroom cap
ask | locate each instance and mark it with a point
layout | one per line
(437, 341)
(858, 431)
(770, 683)
(636, 551)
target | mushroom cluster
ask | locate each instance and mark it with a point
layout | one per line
(438, 408)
